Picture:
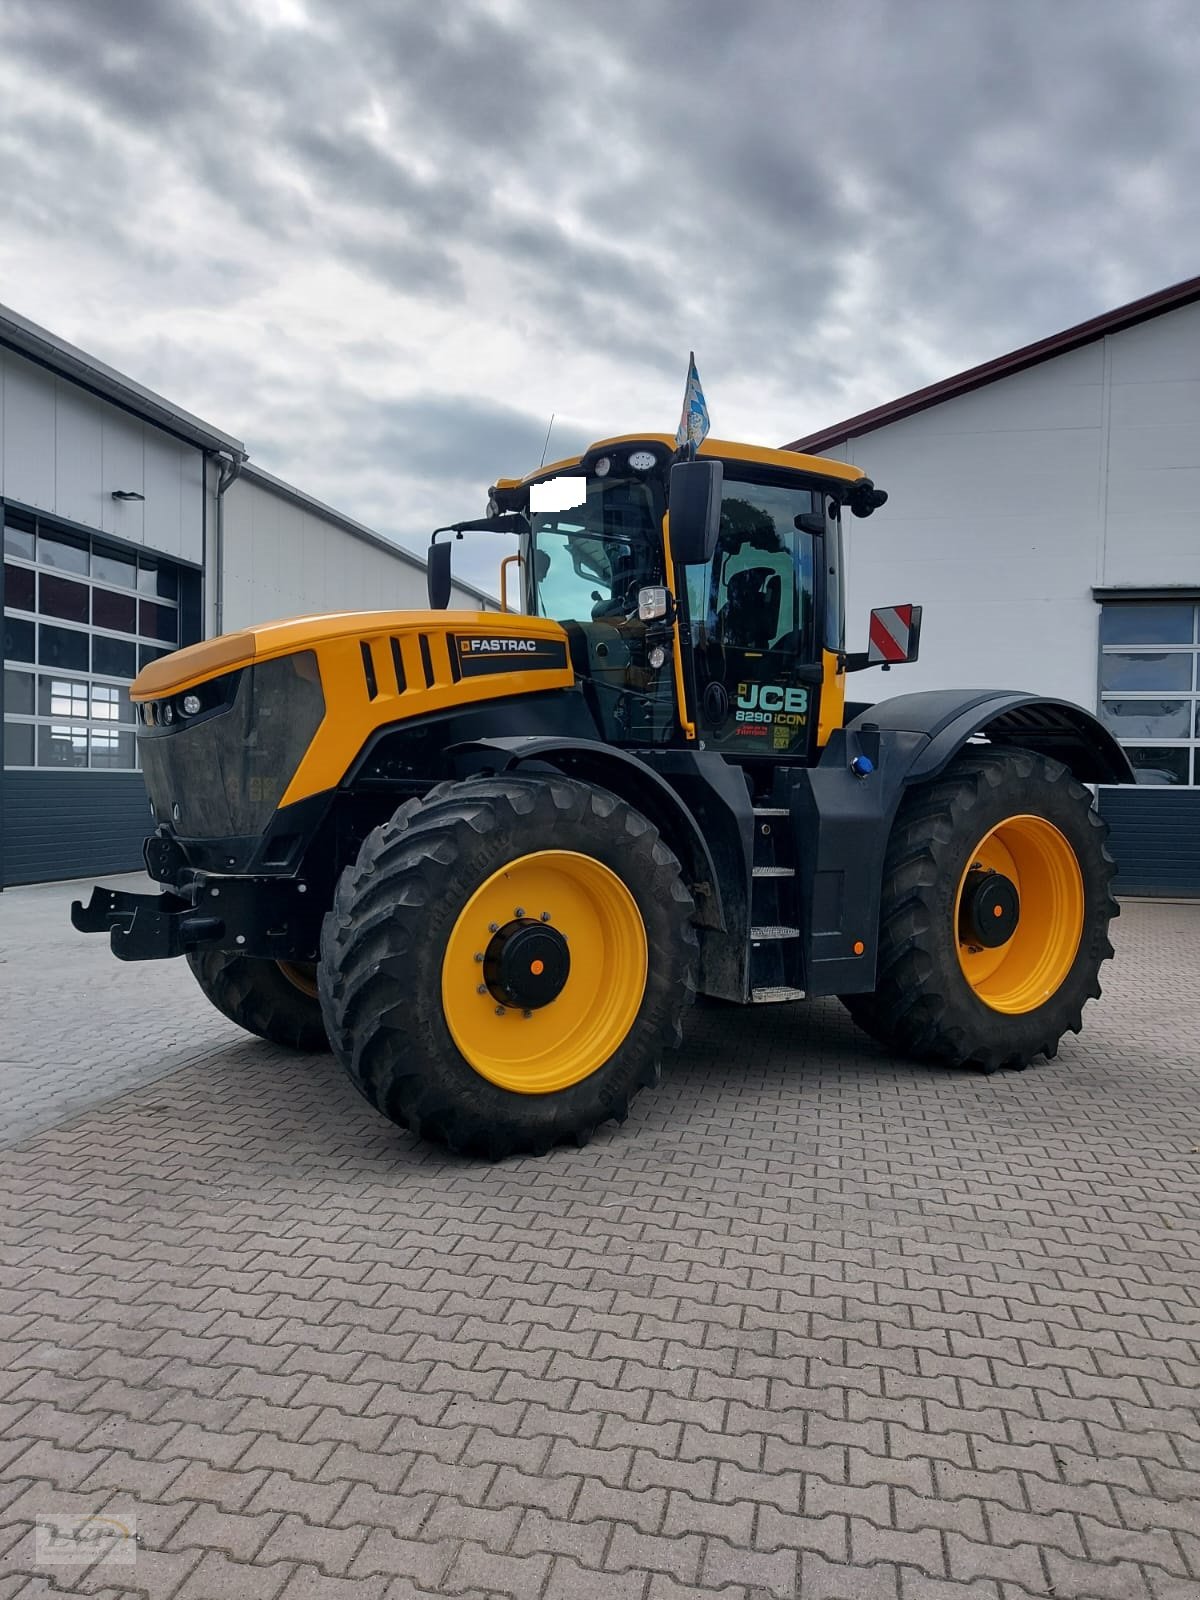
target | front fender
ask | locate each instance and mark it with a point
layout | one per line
(621, 774)
(1007, 718)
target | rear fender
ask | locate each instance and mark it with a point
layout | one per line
(621, 774)
(844, 821)
(950, 717)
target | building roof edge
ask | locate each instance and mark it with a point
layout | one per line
(1030, 355)
(37, 344)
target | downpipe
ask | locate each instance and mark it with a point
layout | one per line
(230, 472)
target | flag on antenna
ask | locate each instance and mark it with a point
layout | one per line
(693, 424)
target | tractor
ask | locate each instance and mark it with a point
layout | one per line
(490, 858)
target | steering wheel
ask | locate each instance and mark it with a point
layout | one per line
(616, 606)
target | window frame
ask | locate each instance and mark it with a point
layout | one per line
(95, 545)
(1190, 696)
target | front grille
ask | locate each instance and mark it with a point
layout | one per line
(223, 775)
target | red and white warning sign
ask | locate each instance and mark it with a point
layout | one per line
(895, 634)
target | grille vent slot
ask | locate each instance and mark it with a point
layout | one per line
(426, 659)
(368, 661)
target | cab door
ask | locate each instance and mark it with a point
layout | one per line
(754, 623)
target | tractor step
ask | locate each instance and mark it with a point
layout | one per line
(774, 931)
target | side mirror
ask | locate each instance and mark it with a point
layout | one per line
(437, 576)
(695, 507)
(895, 636)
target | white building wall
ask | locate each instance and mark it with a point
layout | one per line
(1006, 505)
(63, 452)
(285, 560)
(1152, 532)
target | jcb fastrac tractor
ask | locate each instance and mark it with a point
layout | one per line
(490, 858)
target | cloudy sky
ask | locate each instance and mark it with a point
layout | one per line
(383, 240)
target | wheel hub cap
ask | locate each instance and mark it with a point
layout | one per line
(1019, 914)
(989, 909)
(526, 964)
(544, 971)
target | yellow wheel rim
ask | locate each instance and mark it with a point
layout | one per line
(562, 1042)
(301, 975)
(1023, 973)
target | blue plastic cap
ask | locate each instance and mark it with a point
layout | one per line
(861, 766)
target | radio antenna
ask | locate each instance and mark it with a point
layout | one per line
(546, 446)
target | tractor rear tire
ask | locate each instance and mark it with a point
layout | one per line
(429, 1021)
(261, 997)
(944, 995)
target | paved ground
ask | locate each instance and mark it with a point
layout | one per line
(78, 1027)
(813, 1323)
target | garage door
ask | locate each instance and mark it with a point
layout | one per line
(1155, 839)
(59, 825)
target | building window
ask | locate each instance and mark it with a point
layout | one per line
(1150, 686)
(81, 619)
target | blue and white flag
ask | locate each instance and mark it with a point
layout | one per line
(693, 424)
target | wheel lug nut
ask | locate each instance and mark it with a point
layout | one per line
(527, 1014)
(519, 912)
(499, 1011)
(545, 916)
(493, 927)
(482, 989)
(479, 955)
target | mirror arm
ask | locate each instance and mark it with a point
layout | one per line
(514, 522)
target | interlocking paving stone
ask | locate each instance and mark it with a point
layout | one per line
(814, 1323)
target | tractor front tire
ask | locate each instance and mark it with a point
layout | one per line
(994, 915)
(273, 1000)
(506, 963)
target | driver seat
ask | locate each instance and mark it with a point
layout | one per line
(749, 619)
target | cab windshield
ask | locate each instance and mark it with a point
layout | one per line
(594, 542)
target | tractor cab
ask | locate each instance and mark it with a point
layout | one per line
(701, 599)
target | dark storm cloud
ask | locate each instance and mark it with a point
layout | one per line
(443, 438)
(830, 204)
(347, 166)
(428, 268)
(424, 460)
(962, 149)
(140, 59)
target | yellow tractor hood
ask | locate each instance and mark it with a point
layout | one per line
(376, 669)
(212, 657)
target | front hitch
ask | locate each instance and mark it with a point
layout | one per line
(146, 927)
(274, 919)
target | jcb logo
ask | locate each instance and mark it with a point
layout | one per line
(771, 697)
